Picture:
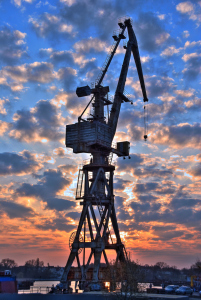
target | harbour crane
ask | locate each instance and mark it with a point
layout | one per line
(95, 135)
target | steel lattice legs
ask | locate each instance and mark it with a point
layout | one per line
(99, 236)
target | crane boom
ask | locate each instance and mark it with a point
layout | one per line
(114, 115)
(136, 55)
(131, 46)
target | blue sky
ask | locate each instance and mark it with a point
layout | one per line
(48, 49)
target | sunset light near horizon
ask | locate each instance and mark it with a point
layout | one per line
(47, 50)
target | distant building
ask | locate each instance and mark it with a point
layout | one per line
(8, 283)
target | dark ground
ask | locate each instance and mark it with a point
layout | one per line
(85, 297)
(53, 297)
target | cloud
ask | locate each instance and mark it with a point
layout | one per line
(192, 44)
(35, 72)
(43, 52)
(193, 66)
(73, 215)
(178, 136)
(39, 124)
(183, 202)
(87, 45)
(135, 161)
(56, 224)
(195, 171)
(2, 108)
(19, 2)
(135, 132)
(150, 33)
(46, 3)
(155, 85)
(185, 34)
(187, 57)
(67, 75)
(51, 184)
(71, 101)
(70, 168)
(185, 7)
(165, 235)
(120, 184)
(68, 57)
(161, 17)
(12, 45)
(15, 210)
(4, 126)
(18, 164)
(68, 2)
(51, 26)
(59, 152)
(102, 18)
(170, 51)
(190, 9)
(61, 57)
(185, 93)
(146, 187)
(185, 216)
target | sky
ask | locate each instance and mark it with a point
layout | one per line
(47, 50)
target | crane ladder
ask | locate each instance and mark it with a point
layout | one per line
(79, 184)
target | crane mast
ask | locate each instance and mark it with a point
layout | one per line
(95, 135)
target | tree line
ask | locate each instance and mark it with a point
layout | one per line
(7, 263)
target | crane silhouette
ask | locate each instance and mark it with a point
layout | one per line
(95, 135)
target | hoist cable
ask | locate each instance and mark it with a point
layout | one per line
(147, 120)
(144, 121)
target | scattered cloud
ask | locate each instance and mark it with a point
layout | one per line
(35, 72)
(68, 2)
(161, 17)
(185, 93)
(193, 66)
(50, 185)
(13, 45)
(185, 7)
(178, 136)
(170, 51)
(87, 45)
(59, 152)
(150, 33)
(4, 126)
(2, 108)
(51, 26)
(190, 9)
(18, 164)
(15, 210)
(191, 56)
(186, 34)
(18, 3)
(39, 124)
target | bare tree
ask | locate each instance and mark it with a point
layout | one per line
(197, 265)
(162, 265)
(125, 279)
(34, 263)
(8, 263)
